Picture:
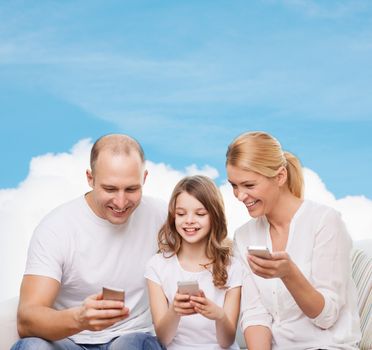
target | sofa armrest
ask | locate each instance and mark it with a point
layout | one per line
(362, 275)
(8, 323)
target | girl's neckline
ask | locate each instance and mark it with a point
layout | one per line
(203, 269)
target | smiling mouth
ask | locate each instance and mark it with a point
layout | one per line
(251, 204)
(119, 211)
(191, 229)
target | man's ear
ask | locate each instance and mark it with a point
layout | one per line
(145, 176)
(90, 179)
(282, 176)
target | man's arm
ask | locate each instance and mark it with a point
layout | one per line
(36, 316)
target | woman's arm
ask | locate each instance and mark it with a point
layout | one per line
(255, 319)
(258, 338)
(309, 300)
(322, 299)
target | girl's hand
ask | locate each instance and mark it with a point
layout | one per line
(182, 305)
(280, 266)
(206, 307)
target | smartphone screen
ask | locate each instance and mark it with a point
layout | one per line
(188, 287)
(259, 251)
(113, 294)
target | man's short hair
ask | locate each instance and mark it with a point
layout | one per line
(117, 144)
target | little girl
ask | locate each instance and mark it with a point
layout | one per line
(193, 247)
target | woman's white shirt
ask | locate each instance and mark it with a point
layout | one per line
(194, 331)
(318, 243)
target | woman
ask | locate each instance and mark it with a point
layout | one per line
(303, 296)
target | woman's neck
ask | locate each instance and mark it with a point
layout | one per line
(280, 219)
(285, 208)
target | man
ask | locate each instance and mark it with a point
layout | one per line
(103, 238)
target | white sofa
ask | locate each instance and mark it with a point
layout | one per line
(362, 274)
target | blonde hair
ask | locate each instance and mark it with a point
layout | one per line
(218, 249)
(262, 153)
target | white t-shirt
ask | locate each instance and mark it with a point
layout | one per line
(194, 331)
(320, 246)
(84, 253)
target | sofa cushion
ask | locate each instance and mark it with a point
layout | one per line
(8, 323)
(362, 275)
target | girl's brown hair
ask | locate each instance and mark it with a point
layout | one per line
(218, 249)
(262, 153)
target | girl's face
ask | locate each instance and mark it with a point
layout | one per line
(192, 219)
(257, 192)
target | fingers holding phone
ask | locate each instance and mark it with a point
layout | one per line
(97, 313)
(259, 251)
(114, 294)
(268, 264)
(206, 307)
(181, 301)
(188, 287)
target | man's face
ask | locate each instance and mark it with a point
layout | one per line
(116, 186)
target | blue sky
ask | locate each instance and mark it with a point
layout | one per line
(186, 77)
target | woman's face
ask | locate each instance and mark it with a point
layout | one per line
(257, 192)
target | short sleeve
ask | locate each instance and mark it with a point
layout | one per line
(235, 274)
(46, 253)
(153, 267)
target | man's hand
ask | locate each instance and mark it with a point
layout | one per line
(206, 307)
(96, 314)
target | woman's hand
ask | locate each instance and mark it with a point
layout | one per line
(206, 307)
(280, 266)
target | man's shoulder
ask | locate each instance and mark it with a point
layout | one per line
(153, 201)
(64, 210)
(153, 205)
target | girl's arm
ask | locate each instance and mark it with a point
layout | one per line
(226, 317)
(258, 338)
(164, 318)
(226, 326)
(167, 317)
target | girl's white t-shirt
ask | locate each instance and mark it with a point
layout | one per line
(194, 331)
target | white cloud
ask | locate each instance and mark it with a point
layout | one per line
(315, 189)
(56, 178)
(356, 210)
